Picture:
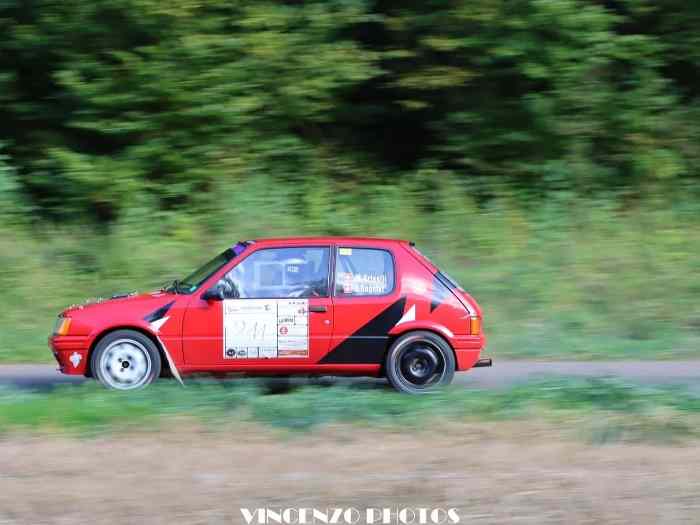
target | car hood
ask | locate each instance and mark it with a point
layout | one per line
(145, 300)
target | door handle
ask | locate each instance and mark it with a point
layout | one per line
(319, 308)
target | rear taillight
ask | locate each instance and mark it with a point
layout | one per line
(474, 325)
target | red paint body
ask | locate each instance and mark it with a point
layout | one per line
(192, 336)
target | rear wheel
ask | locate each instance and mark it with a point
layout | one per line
(126, 360)
(420, 363)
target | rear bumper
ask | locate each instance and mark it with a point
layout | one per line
(71, 352)
(468, 349)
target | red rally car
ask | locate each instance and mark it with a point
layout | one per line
(308, 306)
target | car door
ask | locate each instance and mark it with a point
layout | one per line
(275, 313)
(366, 304)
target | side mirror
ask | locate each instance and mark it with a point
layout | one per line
(213, 294)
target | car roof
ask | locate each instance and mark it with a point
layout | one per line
(327, 239)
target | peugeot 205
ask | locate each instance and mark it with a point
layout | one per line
(297, 306)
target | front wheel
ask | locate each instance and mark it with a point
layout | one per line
(420, 363)
(126, 360)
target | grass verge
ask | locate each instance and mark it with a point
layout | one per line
(599, 410)
(572, 279)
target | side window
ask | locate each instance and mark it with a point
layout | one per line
(279, 272)
(363, 271)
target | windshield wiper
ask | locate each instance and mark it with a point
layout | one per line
(174, 287)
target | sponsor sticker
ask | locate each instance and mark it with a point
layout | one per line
(291, 353)
(75, 359)
(363, 283)
(265, 328)
(268, 352)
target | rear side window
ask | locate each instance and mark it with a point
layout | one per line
(449, 281)
(363, 272)
(446, 279)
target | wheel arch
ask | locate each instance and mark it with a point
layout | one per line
(423, 326)
(394, 336)
(165, 365)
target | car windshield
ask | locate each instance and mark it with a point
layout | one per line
(194, 280)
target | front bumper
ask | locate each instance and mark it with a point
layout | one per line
(71, 353)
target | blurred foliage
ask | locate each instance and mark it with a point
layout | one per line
(600, 410)
(111, 98)
(106, 99)
(545, 152)
(576, 277)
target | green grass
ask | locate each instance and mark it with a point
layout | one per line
(599, 410)
(570, 279)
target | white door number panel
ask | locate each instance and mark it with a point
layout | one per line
(266, 328)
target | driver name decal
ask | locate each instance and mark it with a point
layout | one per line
(265, 328)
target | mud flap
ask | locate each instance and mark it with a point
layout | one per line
(171, 363)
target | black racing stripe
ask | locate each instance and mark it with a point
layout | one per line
(367, 345)
(440, 294)
(159, 313)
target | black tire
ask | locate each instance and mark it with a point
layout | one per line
(125, 360)
(420, 363)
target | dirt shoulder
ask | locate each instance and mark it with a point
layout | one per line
(491, 472)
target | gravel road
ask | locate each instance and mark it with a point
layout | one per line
(502, 374)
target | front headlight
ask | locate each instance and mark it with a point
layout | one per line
(62, 325)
